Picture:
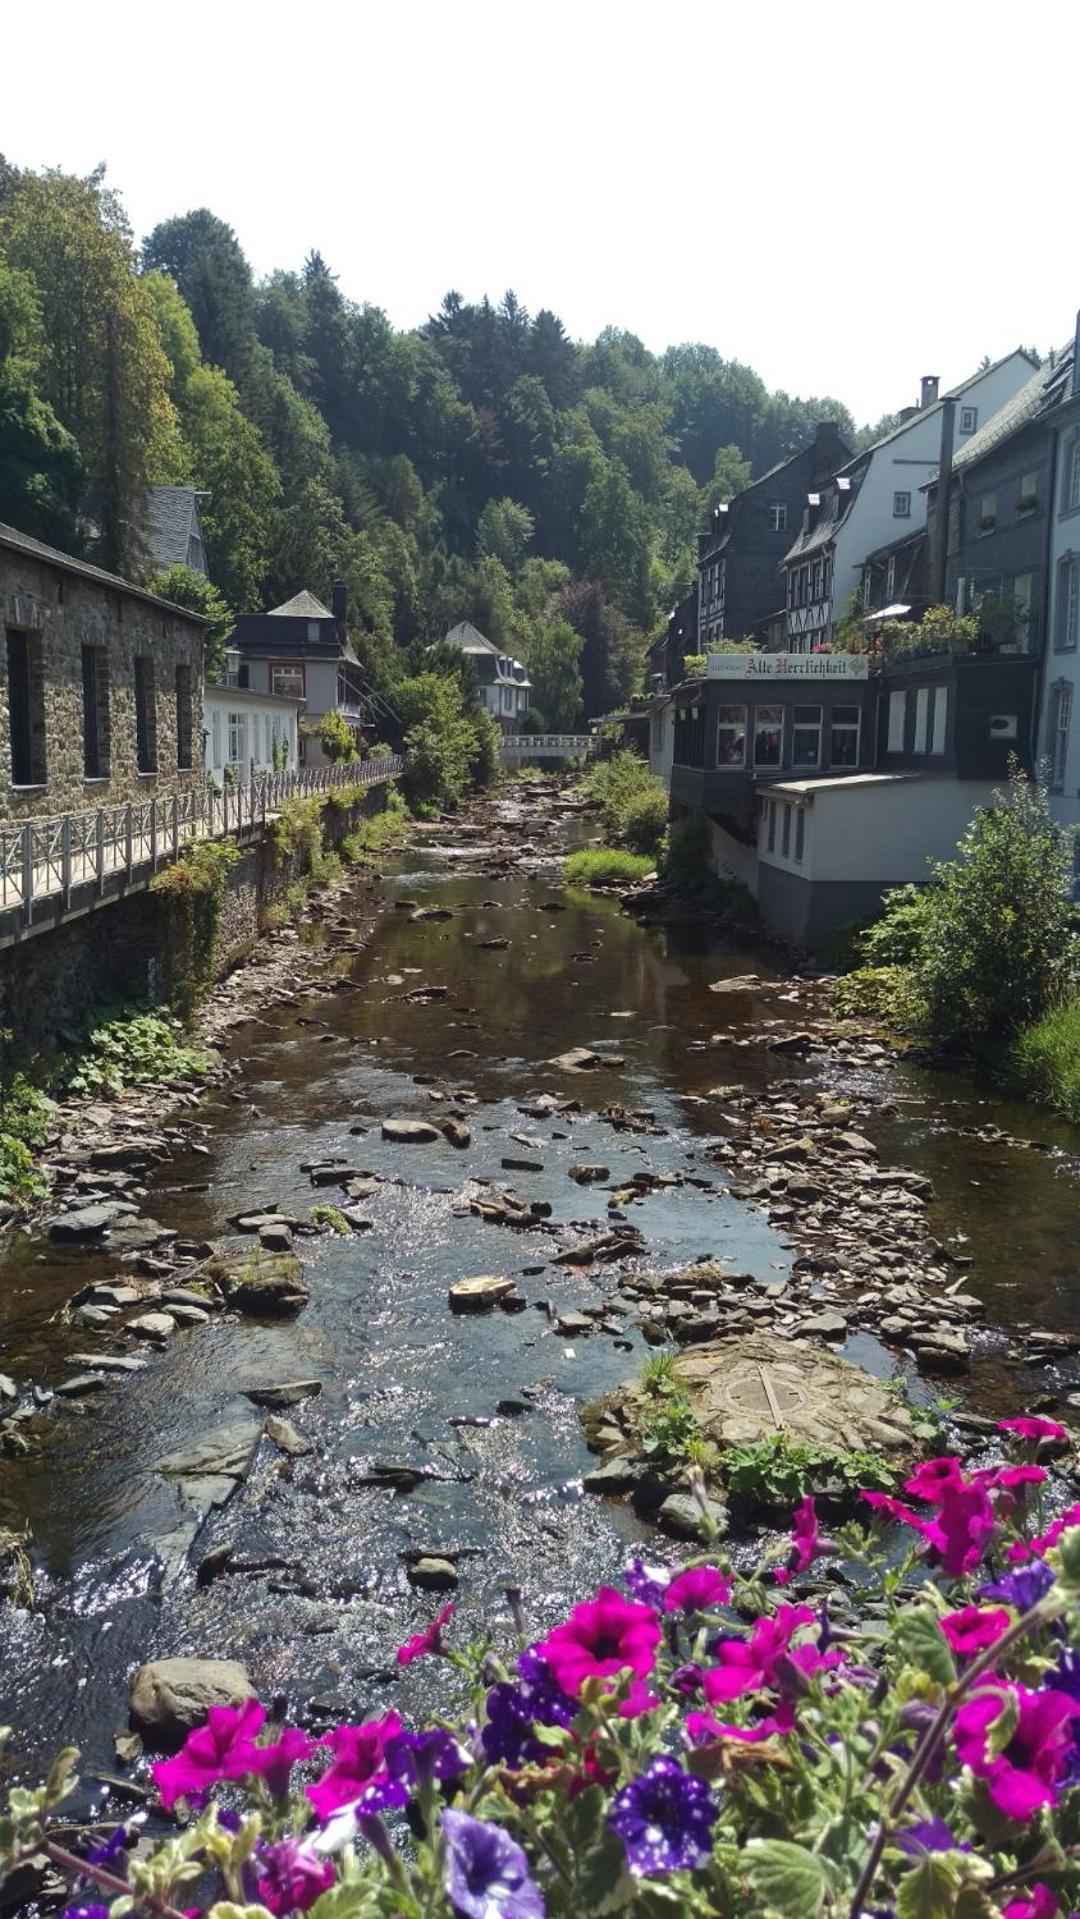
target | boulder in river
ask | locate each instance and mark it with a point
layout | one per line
(479, 1295)
(411, 1132)
(85, 1222)
(267, 1285)
(289, 1393)
(581, 1059)
(589, 1175)
(456, 1131)
(168, 1698)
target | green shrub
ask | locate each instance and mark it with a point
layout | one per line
(1044, 1060)
(685, 867)
(606, 866)
(888, 994)
(337, 739)
(632, 801)
(694, 665)
(129, 1049)
(778, 1470)
(26, 1113)
(192, 890)
(645, 822)
(20, 1181)
(896, 938)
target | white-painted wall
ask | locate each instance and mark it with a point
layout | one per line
(731, 859)
(240, 728)
(880, 830)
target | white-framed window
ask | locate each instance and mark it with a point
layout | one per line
(922, 720)
(986, 517)
(237, 731)
(1067, 624)
(800, 833)
(768, 735)
(897, 721)
(731, 736)
(844, 722)
(969, 419)
(806, 736)
(1060, 717)
(1071, 489)
(941, 718)
(778, 516)
(901, 506)
(288, 681)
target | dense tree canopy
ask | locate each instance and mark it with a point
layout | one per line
(485, 466)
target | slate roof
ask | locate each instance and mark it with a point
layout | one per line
(172, 518)
(302, 606)
(468, 640)
(1039, 395)
(15, 542)
(834, 509)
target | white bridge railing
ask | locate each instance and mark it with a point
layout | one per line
(519, 746)
(50, 860)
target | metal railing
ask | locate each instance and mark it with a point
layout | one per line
(570, 744)
(53, 859)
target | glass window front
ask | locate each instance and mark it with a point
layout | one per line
(768, 735)
(844, 736)
(806, 736)
(731, 736)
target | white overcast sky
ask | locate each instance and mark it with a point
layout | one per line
(846, 196)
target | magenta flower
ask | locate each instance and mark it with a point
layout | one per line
(748, 1665)
(599, 1639)
(222, 1749)
(358, 1768)
(1008, 1478)
(275, 1763)
(1037, 1903)
(1033, 1429)
(638, 1700)
(697, 1589)
(805, 1541)
(961, 1529)
(428, 1641)
(974, 1628)
(1062, 1524)
(929, 1480)
(703, 1728)
(1025, 1776)
(291, 1877)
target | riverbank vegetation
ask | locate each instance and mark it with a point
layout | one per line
(633, 803)
(710, 1739)
(607, 866)
(982, 965)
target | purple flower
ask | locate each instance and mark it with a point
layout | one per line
(416, 1758)
(85, 1912)
(513, 1711)
(291, 1877)
(1023, 1588)
(111, 1849)
(664, 1819)
(646, 1584)
(929, 1835)
(485, 1873)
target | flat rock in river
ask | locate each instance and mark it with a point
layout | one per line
(479, 1295)
(581, 1059)
(289, 1393)
(411, 1132)
(745, 1388)
(266, 1285)
(170, 1697)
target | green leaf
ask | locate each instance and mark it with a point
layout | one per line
(1066, 1558)
(582, 1823)
(929, 1890)
(603, 1882)
(919, 1633)
(973, 1903)
(789, 1879)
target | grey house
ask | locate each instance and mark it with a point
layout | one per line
(173, 532)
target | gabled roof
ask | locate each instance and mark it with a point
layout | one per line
(302, 606)
(925, 412)
(172, 520)
(468, 640)
(1040, 395)
(15, 542)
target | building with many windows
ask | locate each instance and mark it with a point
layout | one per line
(101, 686)
(502, 682)
(740, 558)
(302, 651)
(1059, 723)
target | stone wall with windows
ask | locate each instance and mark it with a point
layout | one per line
(100, 691)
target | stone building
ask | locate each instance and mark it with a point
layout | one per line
(101, 686)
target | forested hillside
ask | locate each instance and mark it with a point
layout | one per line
(485, 466)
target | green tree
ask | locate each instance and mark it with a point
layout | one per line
(337, 739)
(204, 257)
(227, 459)
(184, 587)
(554, 661)
(730, 474)
(101, 365)
(441, 740)
(503, 531)
(41, 469)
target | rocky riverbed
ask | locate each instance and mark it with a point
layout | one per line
(290, 1351)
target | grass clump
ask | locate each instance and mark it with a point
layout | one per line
(1044, 1060)
(329, 1219)
(607, 866)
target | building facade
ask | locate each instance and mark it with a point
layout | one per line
(503, 683)
(247, 733)
(1058, 739)
(740, 558)
(879, 497)
(101, 686)
(301, 651)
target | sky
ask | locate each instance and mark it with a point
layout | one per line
(844, 197)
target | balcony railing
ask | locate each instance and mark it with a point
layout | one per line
(63, 863)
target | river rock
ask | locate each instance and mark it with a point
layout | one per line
(589, 1175)
(511, 1165)
(168, 1698)
(433, 1574)
(268, 1285)
(80, 1384)
(155, 1326)
(791, 1043)
(411, 1132)
(581, 1059)
(275, 1238)
(8, 1388)
(285, 1437)
(745, 1388)
(681, 1513)
(109, 1362)
(289, 1393)
(479, 1295)
(85, 1222)
(742, 983)
(456, 1131)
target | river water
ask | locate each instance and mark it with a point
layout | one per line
(403, 1380)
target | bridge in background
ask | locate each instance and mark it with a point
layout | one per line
(516, 748)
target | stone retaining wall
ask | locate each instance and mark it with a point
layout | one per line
(117, 952)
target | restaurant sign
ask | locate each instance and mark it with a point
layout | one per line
(788, 666)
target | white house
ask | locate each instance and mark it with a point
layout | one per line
(502, 682)
(302, 651)
(247, 733)
(877, 497)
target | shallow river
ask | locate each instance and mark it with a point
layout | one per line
(404, 1380)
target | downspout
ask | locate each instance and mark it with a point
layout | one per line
(940, 537)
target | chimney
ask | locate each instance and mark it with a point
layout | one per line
(928, 396)
(338, 605)
(829, 449)
(939, 531)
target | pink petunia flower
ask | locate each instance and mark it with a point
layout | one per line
(358, 1763)
(1038, 1903)
(274, 1763)
(805, 1541)
(702, 1727)
(224, 1748)
(428, 1641)
(748, 1665)
(974, 1628)
(1025, 1776)
(1041, 1545)
(929, 1480)
(291, 1876)
(601, 1638)
(697, 1590)
(1033, 1429)
(961, 1529)
(1009, 1478)
(638, 1700)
